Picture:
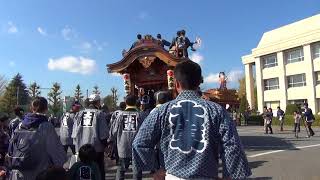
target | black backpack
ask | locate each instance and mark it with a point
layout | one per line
(24, 147)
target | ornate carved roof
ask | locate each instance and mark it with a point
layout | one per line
(148, 47)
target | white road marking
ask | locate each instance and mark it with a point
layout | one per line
(276, 151)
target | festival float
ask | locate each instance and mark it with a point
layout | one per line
(148, 67)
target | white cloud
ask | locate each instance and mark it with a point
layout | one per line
(41, 31)
(12, 29)
(212, 78)
(233, 76)
(73, 64)
(12, 64)
(116, 74)
(68, 33)
(196, 57)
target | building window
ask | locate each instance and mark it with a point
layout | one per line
(294, 55)
(316, 50)
(273, 105)
(317, 77)
(298, 102)
(270, 84)
(297, 80)
(270, 61)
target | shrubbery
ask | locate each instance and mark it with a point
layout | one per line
(288, 120)
(292, 108)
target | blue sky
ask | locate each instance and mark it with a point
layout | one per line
(34, 32)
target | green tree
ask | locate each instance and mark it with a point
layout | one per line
(15, 94)
(242, 87)
(243, 104)
(108, 100)
(55, 103)
(34, 90)
(96, 90)
(78, 94)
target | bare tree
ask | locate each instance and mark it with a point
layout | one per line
(3, 83)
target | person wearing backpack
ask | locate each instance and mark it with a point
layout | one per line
(86, 168)
(309, 118)
(67, 121)
(91, 127)
(34, 145)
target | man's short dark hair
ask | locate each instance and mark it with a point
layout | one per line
(161, 97)
(39, 105)
(305, 104)
(87, 153)
(18, 111)
(178, 33)
(53, 173)
(139, 36)
(131, 100)
(278, 107)
(159, 36)
(183, 32)
(122, 106)
(188, 73)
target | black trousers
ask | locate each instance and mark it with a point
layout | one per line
(123, 167)
(72, 147)
(268, 126)
(309, 124)
(100, 162)
(296, 126)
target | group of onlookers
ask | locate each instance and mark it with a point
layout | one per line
(179, 139)
(305, 117)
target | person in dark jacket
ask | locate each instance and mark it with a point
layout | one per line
(49, 151)
(309, 118)
(280, 116)
(192, 133)
(162, 42)
(86, 168)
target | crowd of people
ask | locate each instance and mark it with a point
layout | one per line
(178, 46)
(304, 117)
(183, 138)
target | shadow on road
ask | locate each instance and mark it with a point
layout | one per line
(260, 178)
(256, 143)
(255, 164)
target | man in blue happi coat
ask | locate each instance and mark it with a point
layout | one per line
(193, 134)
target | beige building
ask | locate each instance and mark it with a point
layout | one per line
(287, 66)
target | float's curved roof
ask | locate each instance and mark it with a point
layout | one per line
(145, 48)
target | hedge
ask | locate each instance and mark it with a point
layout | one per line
(288, 120)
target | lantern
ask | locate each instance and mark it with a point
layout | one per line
(127, 83)
(170, 76)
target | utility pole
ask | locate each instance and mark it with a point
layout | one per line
(87, 93)
(18, 88)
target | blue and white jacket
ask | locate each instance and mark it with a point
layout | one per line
(192, 133)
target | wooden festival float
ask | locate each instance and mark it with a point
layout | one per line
(149, 66)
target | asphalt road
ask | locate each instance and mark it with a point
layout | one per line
(279, 156)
